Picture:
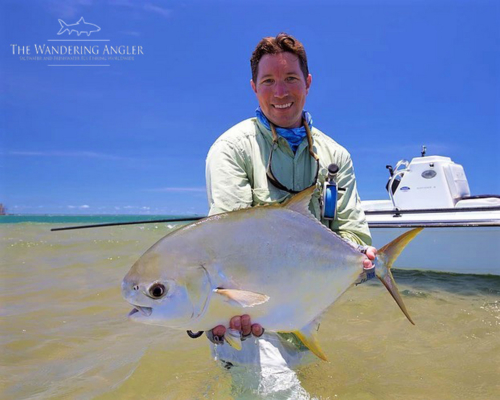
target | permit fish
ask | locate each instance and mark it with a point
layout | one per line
(276, 263)
(79, 27)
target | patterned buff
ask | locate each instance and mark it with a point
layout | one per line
(294, 136)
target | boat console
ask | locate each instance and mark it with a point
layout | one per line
(429, 183)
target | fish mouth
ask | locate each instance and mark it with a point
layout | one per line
(143, 310)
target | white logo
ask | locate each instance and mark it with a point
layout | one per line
(81, 53)
(80, 27)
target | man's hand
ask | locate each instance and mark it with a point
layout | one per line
(242, 323)
(371, 253)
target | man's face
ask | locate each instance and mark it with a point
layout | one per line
(281, 89)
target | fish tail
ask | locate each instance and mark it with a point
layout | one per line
(64, 27)
(385, 259)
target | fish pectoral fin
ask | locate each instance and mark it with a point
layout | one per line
(233, 337)
(243, 297)
(309, 337)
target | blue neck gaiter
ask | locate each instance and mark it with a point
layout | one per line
(294, 136)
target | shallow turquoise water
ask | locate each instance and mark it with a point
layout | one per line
(81, 219)
(64, 332)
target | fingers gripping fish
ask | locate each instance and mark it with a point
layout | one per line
(276, 263)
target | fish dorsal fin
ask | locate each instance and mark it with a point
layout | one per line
(244, 298)
(81, 20)
(308, 336)
(300, 202)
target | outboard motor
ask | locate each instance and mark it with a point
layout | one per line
(396, 175)
(395, 182)
(399, 173)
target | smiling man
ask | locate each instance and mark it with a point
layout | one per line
(268, 158)
(281, 88)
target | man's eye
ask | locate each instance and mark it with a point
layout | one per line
(291, 78)
(267, 82)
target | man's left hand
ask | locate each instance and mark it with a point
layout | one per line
(371, 253)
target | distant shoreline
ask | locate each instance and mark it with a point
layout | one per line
(84, 219)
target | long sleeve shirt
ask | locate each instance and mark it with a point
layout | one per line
(236, 175)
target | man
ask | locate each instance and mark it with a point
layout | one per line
(267, 158)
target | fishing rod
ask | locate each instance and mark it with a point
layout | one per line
(67, 228)
(328, 204)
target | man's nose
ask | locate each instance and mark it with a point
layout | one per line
(280, 90)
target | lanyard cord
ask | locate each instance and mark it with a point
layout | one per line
(269, 171)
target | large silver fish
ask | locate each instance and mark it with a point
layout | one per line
(276, 263)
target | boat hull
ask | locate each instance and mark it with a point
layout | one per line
(455, 249)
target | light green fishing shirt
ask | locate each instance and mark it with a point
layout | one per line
(236, 175)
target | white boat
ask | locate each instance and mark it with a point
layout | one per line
(462, 232)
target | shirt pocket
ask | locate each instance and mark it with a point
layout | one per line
(261, 196)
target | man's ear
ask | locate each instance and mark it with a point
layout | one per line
(254, 88)
(308, 82)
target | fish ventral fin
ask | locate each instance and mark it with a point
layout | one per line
(387, 255)
(233, 337)
(244, 298)
(308, 336)
(300, 202)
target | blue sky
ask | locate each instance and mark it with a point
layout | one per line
(131, 138)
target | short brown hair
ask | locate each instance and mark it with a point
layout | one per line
(281, 43)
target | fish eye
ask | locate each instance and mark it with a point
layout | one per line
(157, 290)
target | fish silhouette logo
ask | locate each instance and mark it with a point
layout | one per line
(80, 27)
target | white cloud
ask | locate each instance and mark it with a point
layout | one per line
(131, 33)
(74, 8)
(126, 3)
(178, 189)
(158, 10)
(68, 8)
(56, 153)
(413, 148)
